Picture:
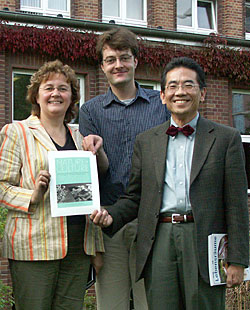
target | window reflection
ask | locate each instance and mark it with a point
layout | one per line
(184, 13)
(135, 9)
(57, 5)
(205, 15)
(111, 8)
(22, 109)
(247, 16)
(241, 112)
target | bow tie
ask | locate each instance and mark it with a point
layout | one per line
(186, 130)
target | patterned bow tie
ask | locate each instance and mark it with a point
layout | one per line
(186, 130)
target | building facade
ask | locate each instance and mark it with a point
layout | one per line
(216, 33)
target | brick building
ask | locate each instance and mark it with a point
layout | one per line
(32, 32)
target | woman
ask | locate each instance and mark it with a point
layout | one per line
(49, 257)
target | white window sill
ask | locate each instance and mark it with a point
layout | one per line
(129, 22)
(39, 11)
(196, 31)
(247, 36)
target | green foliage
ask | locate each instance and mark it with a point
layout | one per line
(6, 299)
(3, 214)
(89, 302)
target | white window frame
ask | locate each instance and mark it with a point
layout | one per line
(122, 19)
(44, 10)
(155, 85)
(244, 138)
(30, 72)
(194, 28)
(247, 34)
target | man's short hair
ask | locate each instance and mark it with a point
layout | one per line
(118, 38)
(185, 62)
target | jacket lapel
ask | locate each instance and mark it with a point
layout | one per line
(40, 133)
(159, 150)
(204, 139)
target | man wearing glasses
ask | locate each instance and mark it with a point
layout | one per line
(187, 181)
(118, 116)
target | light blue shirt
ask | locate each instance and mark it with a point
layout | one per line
(178, 169)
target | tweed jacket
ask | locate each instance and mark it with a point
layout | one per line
(218, 191)
(33, 236)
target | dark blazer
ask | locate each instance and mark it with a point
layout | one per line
(218, 191)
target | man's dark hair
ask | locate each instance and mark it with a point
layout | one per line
(118, 38)
(186, 63)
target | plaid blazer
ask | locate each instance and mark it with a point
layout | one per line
(218, 191)
(33, 236)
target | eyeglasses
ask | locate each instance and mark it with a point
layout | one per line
(187, 87)
(50, 89)
(112, 60)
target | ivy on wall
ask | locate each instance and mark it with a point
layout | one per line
(214, 56)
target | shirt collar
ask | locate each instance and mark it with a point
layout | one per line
(192, 123)
(111, 97)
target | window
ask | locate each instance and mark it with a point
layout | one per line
(149, 85)
(241, 111)
(196, 16)
(241, 120)
(247, 23)
(127, 12)
(20, 108)
(46, 7)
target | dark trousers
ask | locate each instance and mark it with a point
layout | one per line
(53, 285)
(172, 277)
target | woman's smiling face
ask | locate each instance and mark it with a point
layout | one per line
(54, 96)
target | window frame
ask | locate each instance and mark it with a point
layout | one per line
(30, 72)
(194, 28)
(247, 34)
(244, 138)
(122, 15)
(44, 10)
(155, 85)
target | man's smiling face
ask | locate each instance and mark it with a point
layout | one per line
(182, 102)
(122, 70)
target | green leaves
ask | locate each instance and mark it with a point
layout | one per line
(6, 299)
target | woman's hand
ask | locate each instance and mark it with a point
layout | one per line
(41, 186)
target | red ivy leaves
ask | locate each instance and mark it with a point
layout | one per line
(214, 56)
(53, 41)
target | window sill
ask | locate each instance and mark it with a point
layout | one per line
(196, 30)
(129, 22)
(38, 11)
(247, 36)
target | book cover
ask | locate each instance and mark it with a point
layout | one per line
(74, 187)
(217, 254)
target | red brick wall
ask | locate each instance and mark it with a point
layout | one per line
(217, 104)
(162, 13)
(4, 270)
(86, 9)
(231, 18)
(10, 4)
